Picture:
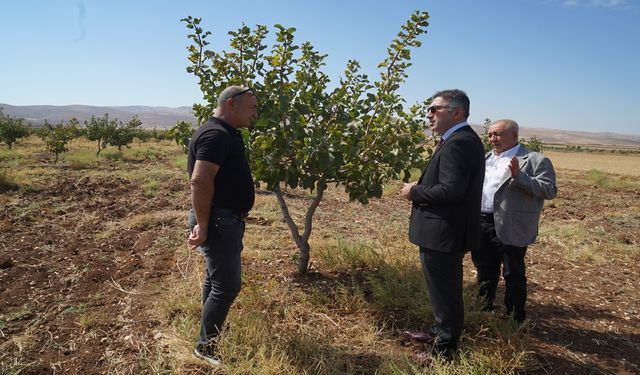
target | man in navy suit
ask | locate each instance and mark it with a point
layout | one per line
(445, 215)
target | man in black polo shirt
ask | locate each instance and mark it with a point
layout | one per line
(222, 194)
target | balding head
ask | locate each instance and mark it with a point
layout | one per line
(503, 135)
(237, 106)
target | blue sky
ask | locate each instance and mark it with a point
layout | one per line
(560, 64)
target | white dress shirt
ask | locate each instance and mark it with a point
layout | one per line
(496, 171)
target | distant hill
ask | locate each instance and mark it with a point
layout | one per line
(166, 117)
(576, 137)
(159, 117)
(585, 138)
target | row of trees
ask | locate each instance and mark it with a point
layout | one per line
(102, 130)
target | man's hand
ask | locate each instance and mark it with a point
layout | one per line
(514, 167)
(197, 237)
(405, 192)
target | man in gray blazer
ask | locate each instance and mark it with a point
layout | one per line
(516, 183)
(445, 216)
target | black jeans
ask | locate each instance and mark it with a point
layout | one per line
(488, 258)
(222, 276)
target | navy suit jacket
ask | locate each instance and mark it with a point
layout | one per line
(445, 215)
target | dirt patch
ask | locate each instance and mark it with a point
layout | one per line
(75, 292)
(64, 290)
(586, 313)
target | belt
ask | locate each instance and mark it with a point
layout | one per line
(486, 215)
(226, 212)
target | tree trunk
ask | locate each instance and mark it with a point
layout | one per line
(303, 259)
(302, 242)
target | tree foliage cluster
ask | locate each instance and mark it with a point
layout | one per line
(57, 137)
(12, 129)
(112, 132)
(181, 133)
(358, 135)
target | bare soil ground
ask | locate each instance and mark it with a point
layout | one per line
(75, 287)
(586, 312)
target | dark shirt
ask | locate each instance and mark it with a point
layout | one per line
(220, 143)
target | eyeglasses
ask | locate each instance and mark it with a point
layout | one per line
(243, 92)
(434, 108)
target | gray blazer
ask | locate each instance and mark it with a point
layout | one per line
(518, 201)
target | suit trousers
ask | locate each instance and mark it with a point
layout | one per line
(488, 259)
(443, 273)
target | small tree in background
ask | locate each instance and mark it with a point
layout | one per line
(158, 135)
(143, 136)
(485, 135)
(181, 132)
(57, 137)
(533, 144)
(124, 133)
(358, 135)
(11, 129)
(100, 130)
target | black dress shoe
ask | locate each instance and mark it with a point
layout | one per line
(421, 336)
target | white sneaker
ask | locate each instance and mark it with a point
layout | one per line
(210, 359)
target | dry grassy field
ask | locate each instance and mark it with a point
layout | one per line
(95, 276)
(605, 162)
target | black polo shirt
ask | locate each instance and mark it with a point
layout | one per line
(220, 143)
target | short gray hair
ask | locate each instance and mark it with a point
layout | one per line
(230, 92)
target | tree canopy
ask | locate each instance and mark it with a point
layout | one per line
(358, 135)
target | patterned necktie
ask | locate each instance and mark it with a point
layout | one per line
(438, 145)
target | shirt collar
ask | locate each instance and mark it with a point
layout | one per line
(452, 129)
(225, 124)
(508, 153)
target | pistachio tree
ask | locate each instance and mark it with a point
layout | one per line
(124, 133)
(100, 130)
(57, 137)
(181, 132)
(357, 135)
(12, 129)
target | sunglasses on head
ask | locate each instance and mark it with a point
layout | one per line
(243, 92)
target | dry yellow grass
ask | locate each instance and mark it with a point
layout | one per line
(365, 285)
(585, 161)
